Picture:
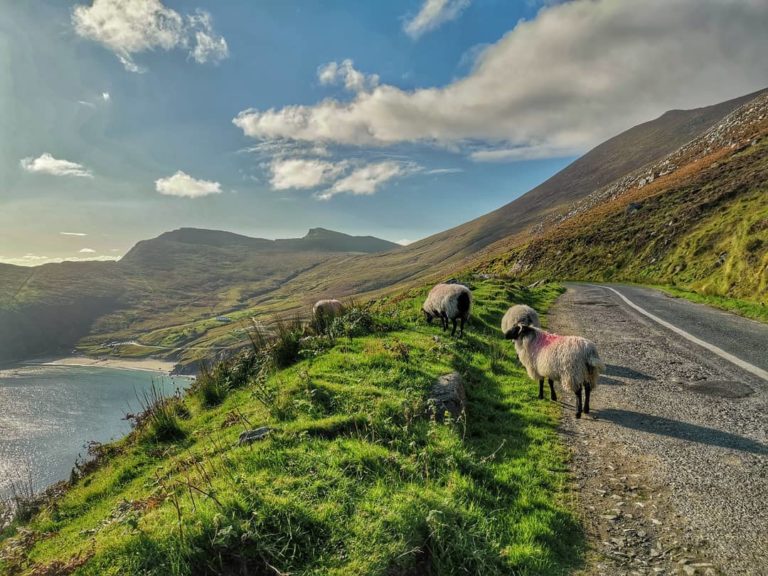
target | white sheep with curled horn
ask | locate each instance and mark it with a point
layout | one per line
(448, 302)
(571, 360)
(523, 314)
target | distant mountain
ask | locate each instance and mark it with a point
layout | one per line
(167, 247)
(177, 279)
(322, 239)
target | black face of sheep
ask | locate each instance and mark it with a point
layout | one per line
(517, 331)
(428, 316)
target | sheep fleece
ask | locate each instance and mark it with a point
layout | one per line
(443, 299)
(571, 360)
(328, 308)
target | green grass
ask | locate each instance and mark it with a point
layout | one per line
(745, 308)
(354, 477)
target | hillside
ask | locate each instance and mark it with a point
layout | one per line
(603, 164)
(697, 220)
(354, 477)
(168, 283)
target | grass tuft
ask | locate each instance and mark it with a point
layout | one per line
(161, 415)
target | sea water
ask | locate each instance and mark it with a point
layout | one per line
(48, 414)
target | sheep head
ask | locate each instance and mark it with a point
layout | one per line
(518, 331)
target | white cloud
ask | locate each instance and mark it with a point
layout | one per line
(353, 80)
(183, 185)
(103, 97)
(73, 233)
(530, 152)
(433, 14)
(87, 251)
(303, 172)
(404, 242)
(573, 76)
(38, 260)
(346, 176)
(47, 164)
(365, 180)
(287, 149)
(209, 47)
(129, 27)
(436, 171)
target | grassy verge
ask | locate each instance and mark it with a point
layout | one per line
(753, 310)
(354, 477)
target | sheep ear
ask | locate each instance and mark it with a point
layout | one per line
(513, 333)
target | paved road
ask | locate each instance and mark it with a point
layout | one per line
(743, 338)
(672, 470)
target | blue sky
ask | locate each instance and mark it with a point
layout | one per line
(122, 120)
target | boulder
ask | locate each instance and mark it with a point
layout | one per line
(447, 395)
(250, 436)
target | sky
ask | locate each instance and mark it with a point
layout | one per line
(122, 119)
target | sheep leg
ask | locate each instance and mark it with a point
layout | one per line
(541, 388)
(454, 327)
(578, 403)
(587, 390)
(461, 330)
(552, 394)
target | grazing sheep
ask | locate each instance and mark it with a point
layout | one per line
(327, 309)
(571, 360)
(522, 314)
(448, 302)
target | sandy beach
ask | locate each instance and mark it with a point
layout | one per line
(146, 364)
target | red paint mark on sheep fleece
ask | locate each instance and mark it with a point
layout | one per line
(545, 339)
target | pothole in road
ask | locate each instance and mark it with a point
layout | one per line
(720, 388)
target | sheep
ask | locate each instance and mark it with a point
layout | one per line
(448, 302)
(522, 314)
(571, 360)
(325, 311)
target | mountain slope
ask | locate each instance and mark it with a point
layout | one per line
(601, 165)
(698, 219)
(175, 283)
(354, 477)
(154, 251)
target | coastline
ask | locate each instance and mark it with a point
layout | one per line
(142, 364)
